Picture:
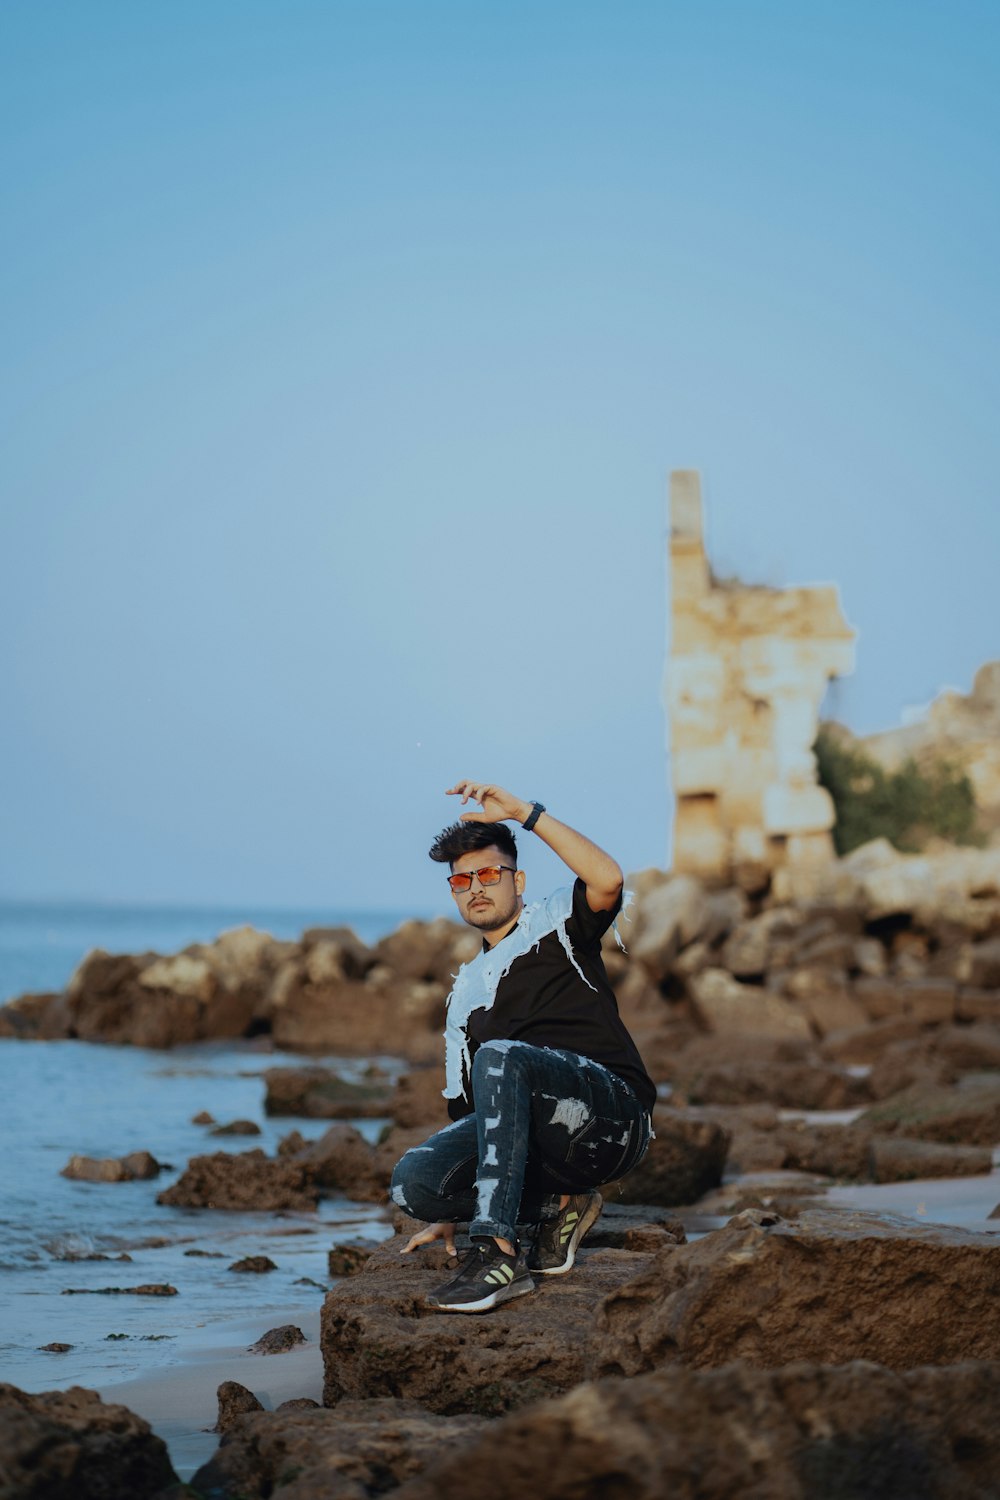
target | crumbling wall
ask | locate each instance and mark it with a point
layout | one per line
(746, 674)
(963, 729)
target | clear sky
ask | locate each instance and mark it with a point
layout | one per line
(347, 348)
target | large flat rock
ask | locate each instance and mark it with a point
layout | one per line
(800, 1433)
(379, 1339)
(831, 1285)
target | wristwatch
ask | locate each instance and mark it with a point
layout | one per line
(537, 808)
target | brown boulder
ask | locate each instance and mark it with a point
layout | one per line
(278, 1340)
(362, 1449)
(428, 950)
(805, 1432)
(358, 1017)
(342, 1160)
(35, 1018)
(895, 1158)
(967, 1113)
(248, 1180)
(685, 1158)
(321, 1094)
(137, 1165)
(256, 1265)
(725, 1006)
(979, 964)
(235, 1401)
(69, 1445)
(350, 1258)
(788, 1085)
(379, 1339)
(830, 1286)
(417, 1099)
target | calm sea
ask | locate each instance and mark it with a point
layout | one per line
(41, 943)
(61, 1098)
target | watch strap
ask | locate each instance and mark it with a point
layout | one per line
(537, 808)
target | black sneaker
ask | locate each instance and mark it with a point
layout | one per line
(558, 1239)
(487, 1277)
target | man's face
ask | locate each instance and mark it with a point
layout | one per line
(488, 907)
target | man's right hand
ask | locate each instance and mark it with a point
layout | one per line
(427, 1236)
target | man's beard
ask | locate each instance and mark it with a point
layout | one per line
(489, 918)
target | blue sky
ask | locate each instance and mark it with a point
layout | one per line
(347, 350)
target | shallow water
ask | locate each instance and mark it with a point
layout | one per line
(62, 1098)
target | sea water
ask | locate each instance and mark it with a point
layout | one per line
(67, 1097)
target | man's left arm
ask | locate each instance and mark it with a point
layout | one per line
(600, 874)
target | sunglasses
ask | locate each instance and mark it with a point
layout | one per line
(488, 875)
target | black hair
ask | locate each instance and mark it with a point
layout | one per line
(465, 838)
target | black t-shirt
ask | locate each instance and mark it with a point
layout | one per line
(542, 1000)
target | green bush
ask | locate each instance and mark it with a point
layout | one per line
(907, 806)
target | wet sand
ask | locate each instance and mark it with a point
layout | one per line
(180, 1402)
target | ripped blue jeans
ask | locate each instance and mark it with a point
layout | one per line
(547, 1122)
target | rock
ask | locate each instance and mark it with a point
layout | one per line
(417, 1099)
(864, 1044)
(136, 1165)
(805, 1432)
(184, 974)
(935, 1057)
(299, 1403)
(237, 1127)
(321, 1094)
(790, 1085)
(55, 1348)
(148, 1289)
(354, 957)
(342, 1160)
(967, 1114)
(979, 965)
(724, 1005)
(278, 1340)
(35, 1018)
(355, 1016)
(69, 1445)
(825, 999)
(350, 1258)
(428, 950)
(364, 1448)
(830, 1286)
(684, 1160)
(668, 918)
(203, 1118)
(977, 1005)
(249, 1180)
(235, 1401)
(258, 1264)
(899, 1159)
(625, 1226)
(379, 1339)
(763, 942)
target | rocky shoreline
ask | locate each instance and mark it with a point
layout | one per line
(783, 1345)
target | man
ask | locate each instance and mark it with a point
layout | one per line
(546, 1090)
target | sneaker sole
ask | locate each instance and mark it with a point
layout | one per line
(588, 1219)
(502, 1294)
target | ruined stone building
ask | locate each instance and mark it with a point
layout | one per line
(747, 671)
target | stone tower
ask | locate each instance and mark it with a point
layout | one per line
(746, 674)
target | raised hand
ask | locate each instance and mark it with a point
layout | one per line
(497, 805)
